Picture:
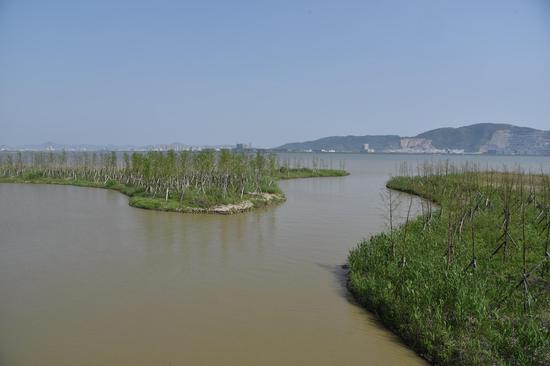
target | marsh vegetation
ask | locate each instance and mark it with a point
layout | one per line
(173, 181)
(469, 282)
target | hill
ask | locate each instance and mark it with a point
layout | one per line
(346, 143)
(491, 138)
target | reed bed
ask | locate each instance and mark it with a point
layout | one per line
(173, 181)
(467, 283)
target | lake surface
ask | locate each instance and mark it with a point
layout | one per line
(86, 279)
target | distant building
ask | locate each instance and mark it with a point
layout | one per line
(366, 148)
(239, 147)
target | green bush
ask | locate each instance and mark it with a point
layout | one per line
(32, 175)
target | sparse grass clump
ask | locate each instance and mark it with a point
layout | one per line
(475, 286)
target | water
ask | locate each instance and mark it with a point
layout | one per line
(87, 280)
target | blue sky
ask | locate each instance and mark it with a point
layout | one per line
(267, 72)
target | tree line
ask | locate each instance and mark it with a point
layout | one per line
(170, 174)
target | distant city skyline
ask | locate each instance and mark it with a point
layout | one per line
(218, 73)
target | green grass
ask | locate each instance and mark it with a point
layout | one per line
(192, 201)
(445, 310)
(285, 173)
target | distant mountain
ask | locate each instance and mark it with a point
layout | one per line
(479, 137)
(491, 138)
(346, 143)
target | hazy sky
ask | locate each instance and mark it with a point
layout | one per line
(267, 72)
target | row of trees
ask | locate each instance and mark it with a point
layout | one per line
(168, 174)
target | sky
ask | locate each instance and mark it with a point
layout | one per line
(267, 72)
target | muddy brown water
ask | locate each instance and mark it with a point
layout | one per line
(86, 279)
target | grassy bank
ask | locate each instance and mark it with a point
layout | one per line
(467, 284)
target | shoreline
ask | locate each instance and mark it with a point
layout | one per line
(251, 200)
(376, 309)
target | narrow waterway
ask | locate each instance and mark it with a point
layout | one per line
(87, 280)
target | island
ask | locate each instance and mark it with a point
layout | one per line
(223, 182)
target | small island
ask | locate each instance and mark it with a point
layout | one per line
(223, 182)
(467, 283)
